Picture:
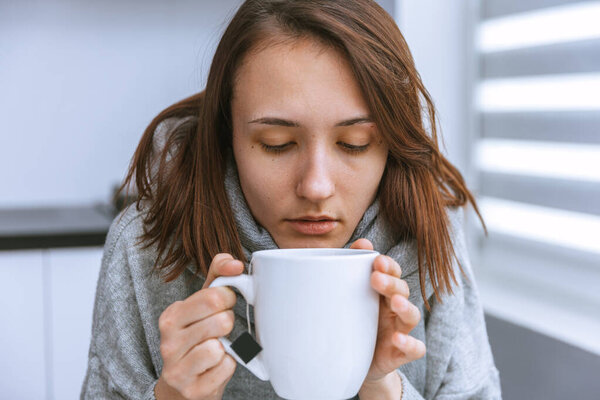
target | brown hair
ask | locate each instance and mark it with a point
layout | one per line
(188, 216)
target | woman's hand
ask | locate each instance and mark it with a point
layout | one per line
(397, 317)
(195, 364)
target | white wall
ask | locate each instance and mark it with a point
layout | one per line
(436, 32)
(80, 80)
(387, 5)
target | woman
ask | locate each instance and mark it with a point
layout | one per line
(309, 134)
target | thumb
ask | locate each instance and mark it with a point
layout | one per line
(362, 244)
(223, 264)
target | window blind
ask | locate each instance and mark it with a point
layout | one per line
(536, 163)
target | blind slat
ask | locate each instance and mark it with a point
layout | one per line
(575, 57)
(563, 194)
(566, 126)
(541, 265)
(499, 8)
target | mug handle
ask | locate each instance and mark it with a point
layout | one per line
(244, 283)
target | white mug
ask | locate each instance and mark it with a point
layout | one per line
(316, 319)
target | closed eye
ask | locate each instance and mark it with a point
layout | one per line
(275, 149)
(351, 148)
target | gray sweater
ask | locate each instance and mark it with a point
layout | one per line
(124, 356)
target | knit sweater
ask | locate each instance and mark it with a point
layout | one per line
(124, 356)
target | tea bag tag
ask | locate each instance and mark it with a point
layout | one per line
(246, 347)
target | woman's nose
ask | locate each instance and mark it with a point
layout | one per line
(315, 181)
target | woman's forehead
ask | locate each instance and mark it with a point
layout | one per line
(278, 54)
(298, 78)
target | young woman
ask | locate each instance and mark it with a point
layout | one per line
(310, 133)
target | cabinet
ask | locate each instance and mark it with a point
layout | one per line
(73, 277)
(46, 305)
(22, 341)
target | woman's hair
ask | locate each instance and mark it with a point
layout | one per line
(188, 216)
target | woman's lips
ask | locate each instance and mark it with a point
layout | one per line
(313, 227)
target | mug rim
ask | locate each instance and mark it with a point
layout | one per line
(315, 252)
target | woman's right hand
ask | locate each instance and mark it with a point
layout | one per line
(195, 364)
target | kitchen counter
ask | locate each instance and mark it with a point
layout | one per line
(50, 227)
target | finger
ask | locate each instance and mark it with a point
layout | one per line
(214, 378)
(207, 302)
(202, 357)
(198, 306)
(412, 349)
(215, 326)
(387, 265)
(183, 372)
(388, 285)
(406, 311)
(223, 264)
(362, 244)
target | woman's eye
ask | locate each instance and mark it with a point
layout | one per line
(351, 148)
(275, 149)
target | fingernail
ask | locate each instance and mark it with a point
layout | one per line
(401, 339)
(387, 280)
(401, 303)
(386, 265)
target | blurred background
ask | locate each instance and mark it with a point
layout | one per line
(517, 87)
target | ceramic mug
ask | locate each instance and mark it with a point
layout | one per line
(316, 319)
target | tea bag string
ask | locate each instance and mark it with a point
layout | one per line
(248, 304)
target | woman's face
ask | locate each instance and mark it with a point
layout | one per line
(308, 155)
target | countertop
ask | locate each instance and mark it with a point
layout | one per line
(50, 227)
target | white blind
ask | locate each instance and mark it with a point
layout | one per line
(536, 157)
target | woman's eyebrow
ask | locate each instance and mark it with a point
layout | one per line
(294, 124)
(275, 121)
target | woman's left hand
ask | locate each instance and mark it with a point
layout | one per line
(397, 317)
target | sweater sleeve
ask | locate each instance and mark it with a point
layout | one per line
(469, 372)
(460, 363)
(119, 362)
